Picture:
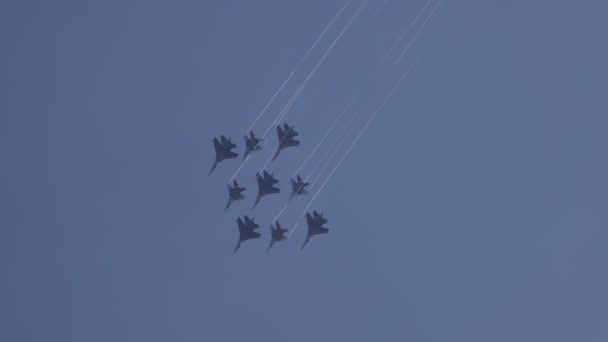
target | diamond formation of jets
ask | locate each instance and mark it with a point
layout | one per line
(266, 183)
(266, 186)
(277, 233)
(286, 138)
(298, 187)
(234, 194)
(251, 144)
(223, 151)
(315, 226)
(246, 231)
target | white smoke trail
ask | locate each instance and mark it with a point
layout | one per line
(360, 134)
(280, 212)
(295, 96)
(349, 129)
(357, 138)
(331, 148)
(239, 169)
(311, 74)
(331, 158)
(417, 35)
(378, 11)
(330, 129)
(406, 31)
(297, 117)
(299, 64)
(293, 229)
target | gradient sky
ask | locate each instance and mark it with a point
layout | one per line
(474, 208)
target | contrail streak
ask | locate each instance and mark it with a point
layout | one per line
(311, 74)
(359, 136)
(349, 128)
(406, 31)
(280, 212)
(239, 169)
(330, 129)
(331, 148)
(299, 114)
(331, 158)
(378, 11)
(299, 64)
(417, 35)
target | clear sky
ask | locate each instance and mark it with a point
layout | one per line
(474, 208)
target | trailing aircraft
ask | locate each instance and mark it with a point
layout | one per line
(251, 144)
(315, 226)
(276, 234)
(234, 194)
(297, 187)
(265, 186)
(223, 151)
(246, 231)
(286, 138)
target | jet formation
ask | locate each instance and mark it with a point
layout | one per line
(266, 186)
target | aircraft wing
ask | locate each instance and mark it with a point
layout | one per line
(290, 142)
(272, 190)
(255, 235)
(228, 155)
(241, 225)
(309, 221)
(260, 181)
(322, 230)
(280, 133)
(218, 146)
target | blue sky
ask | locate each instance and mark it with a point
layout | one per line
(472, 209)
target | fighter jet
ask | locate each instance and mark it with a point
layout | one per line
(297, 187)
(223, 151)
(276, 234)
(246, 231)
(265, 186)
(286, 138)
(315, 225)
(234, 194)
(251, 144)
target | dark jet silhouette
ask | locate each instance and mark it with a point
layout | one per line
(234, 194)
(276, 234)
(251, 144)
(223, 151)
(315, 225)
(286, 138)
(246, 231)
(265, 186)
(297, 187)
